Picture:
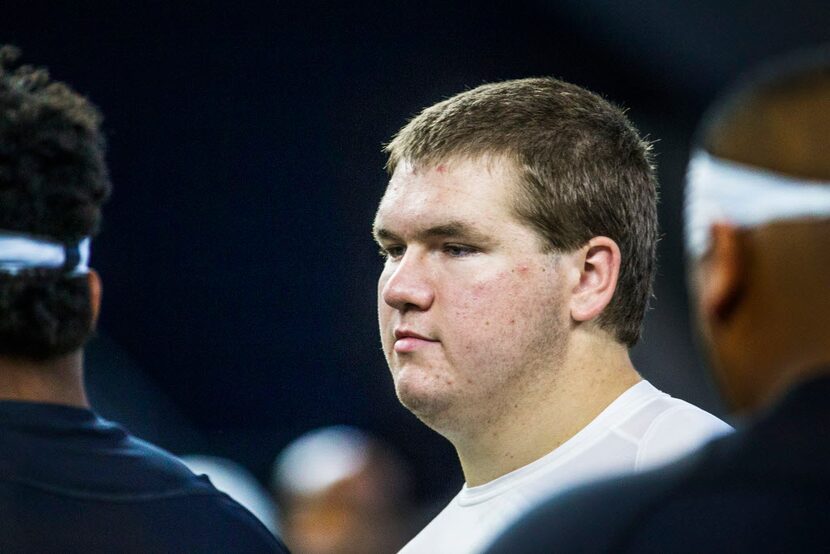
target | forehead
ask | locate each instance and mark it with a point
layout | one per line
(467, 190)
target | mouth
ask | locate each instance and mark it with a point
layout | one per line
(410, 341)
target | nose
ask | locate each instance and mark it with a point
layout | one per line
(409, 286)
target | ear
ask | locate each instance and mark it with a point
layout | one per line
(94, 282)
(723, 278)
(599, 268)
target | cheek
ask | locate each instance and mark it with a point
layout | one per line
(499, 306)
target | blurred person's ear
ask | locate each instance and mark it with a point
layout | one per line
(94, 282)
(724, 281)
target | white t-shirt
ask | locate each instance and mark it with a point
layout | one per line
(642, 428)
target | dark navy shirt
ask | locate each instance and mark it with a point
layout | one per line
(73, 482)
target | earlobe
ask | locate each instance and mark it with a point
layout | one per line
(94, 283)
(723, 287)
(599, 272)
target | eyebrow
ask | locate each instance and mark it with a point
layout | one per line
(451, 229)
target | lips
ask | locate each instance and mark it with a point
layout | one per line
(410, 341)
(406, 333)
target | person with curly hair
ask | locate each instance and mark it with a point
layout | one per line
(71, 481)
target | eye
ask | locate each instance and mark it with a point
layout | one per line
(392, 252)
(459, 250)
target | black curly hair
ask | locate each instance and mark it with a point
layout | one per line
(53, 181)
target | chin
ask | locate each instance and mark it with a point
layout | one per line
(422, 396)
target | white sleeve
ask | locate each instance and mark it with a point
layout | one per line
(676, 432)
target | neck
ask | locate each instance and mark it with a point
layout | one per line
(561, 401)
(54, 381)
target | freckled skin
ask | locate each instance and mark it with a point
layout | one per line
(496, 316)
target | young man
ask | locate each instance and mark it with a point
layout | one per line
(70, 481)
(758, 220)
(519, 230)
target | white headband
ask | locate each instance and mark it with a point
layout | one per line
(19, 251)
(721, 191)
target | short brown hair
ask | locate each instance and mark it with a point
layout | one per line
(584, 171)
(53, 180)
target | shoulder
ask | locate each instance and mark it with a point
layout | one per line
(178, 520)
(676, 427)
(711, 515)
(592, 518)
(212, 513)
(701, 503)
(215, 521)
(111, 489)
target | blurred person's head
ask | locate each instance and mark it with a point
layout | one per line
(53, 181)
(341, 491)
(758, 229)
